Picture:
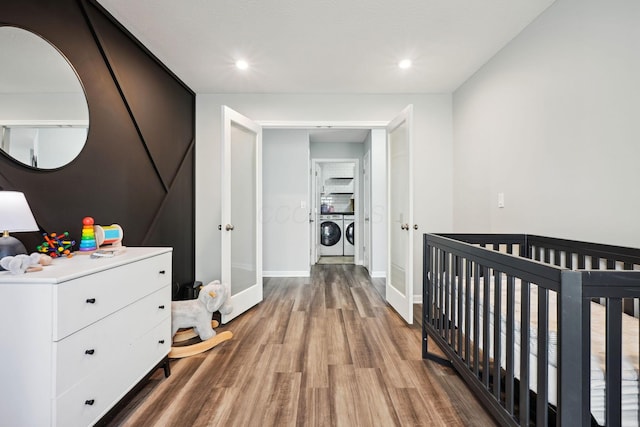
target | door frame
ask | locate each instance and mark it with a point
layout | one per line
(313, 216)
(287, 124)
(366, 210)
(356, 195)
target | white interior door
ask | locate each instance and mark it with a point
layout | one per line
(241, 211)
(366, 204)
(399, 289)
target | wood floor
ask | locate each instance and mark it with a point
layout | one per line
(319, 351)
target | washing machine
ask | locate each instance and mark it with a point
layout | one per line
(349, 235)
(331, 230)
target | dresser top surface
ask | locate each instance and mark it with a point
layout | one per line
(64, 269)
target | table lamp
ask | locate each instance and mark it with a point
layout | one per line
(15, 215)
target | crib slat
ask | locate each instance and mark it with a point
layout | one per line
(509, 389)
(453, 306)
(452, 301)
(614, 361)
(486, 301)
(525, 316)
(459, 284)
(440, 292)
(426, 296)
(446, 266)
(434, 287)
(497, 339)
(542, 399)
(467, 313)
(476, 320)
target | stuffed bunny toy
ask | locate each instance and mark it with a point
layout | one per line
(20, 264)
(197, 313)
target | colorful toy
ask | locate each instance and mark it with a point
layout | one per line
(56, 245)
(88, 240)
(108, 235)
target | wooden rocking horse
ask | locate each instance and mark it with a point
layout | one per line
(192, 318)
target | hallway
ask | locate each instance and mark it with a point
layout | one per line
(319, 351)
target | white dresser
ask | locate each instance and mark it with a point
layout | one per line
(77, 336)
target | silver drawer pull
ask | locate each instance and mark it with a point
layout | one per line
(161, 307)
(91, 300)
(90, 351)
(89, 402)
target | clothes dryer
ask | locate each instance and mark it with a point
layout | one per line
(331, 235)
(349, 235)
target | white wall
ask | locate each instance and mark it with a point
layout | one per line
(336, 150)
(552, 121)
(285, 171)
(433, 155)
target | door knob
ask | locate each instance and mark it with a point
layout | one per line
(228, 227)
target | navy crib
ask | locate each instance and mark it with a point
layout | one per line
(473, 282)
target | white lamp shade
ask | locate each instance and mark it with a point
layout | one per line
(15, 213)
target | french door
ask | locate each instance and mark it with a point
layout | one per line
(241, 211)
(399, 287)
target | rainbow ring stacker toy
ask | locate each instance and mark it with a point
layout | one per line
(88, 240)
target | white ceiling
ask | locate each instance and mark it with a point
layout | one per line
(325, 46)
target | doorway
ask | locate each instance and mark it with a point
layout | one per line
(336, 206)
(290, 212)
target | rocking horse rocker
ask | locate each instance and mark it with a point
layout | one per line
(195, 316)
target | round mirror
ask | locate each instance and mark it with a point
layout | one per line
(44, 117)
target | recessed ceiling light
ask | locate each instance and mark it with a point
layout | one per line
(404, 64)
(242, 64)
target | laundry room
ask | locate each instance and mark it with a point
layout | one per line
(337, 196)
(336, 159)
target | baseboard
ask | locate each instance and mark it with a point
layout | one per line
(378, 274)
(306, 273)
(417, 299)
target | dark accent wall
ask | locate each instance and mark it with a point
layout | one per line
(137, 167)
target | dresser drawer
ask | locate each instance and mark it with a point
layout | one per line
(90, 399)
(90, 349)
(83, 301)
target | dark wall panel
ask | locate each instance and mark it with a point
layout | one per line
(137, 168)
